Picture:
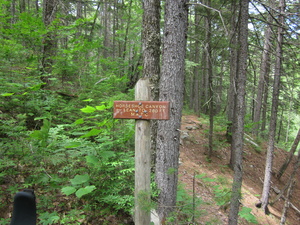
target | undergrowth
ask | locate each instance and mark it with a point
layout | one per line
(80, 165)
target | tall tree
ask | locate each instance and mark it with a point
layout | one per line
(171, 89)
(151, 43)
(49, 42)
(239, 111)
(209, 71)
(151, 55)
(233, 72)
(275, 100)
(194, 100)
(264, 74)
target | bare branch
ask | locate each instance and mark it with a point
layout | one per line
(218, 11)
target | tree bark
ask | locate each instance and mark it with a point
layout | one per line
(13, 11)
(49, 42)
(233, 71)
(22, 6)
(151, 43)
(239, 112)
(264, 73)
(273, 120)
(195, 81)
(210, 81)
(171, 89)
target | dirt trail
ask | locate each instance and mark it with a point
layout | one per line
(193, 162)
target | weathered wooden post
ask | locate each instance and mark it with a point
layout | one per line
(142, 110)
(142, 192)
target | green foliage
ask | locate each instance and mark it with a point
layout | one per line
(145, 202)
(42, 135)
(47, 218)
(73, 217)
(60, 136)
(222, 190)
(80, 186)
(4, 221)
(187, 207)
(245, 213)
(222, 195)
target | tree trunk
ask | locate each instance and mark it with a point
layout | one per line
(22, 6)
(265, 105)
(171, 89)
(204, 82)
(264, 72)
(106, 30)
(233, 71)
(239, 112)
(151, 42)
(273, 120)
(279, 130)
(290, 156)
(210, 81)
(127, 31)
(195, 81)
(13, 11)
(49, 42)
(287, 202)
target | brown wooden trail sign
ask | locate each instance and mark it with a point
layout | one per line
(146, 110)
(142, 110)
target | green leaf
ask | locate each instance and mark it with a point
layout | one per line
(36, 87)
(107, 154)
(79, 121)
(92, 132)
(207, 179)
(88, 109)
(80, 179)
(68, 190)
(7, 94)
(85, 190)
(91, 159)
(100, 107)
(41, 118)
(73, 144)
(200, 176)
(88, 100)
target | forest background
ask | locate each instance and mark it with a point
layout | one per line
(63, 63)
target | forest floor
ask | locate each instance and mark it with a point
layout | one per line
(194, 168)
(194, 162)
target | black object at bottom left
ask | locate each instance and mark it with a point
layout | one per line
(24, 210)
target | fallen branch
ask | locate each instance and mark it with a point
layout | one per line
(250, 140)
(277, 191)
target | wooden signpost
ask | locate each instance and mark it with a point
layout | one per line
(143, 110)
(146, 110)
